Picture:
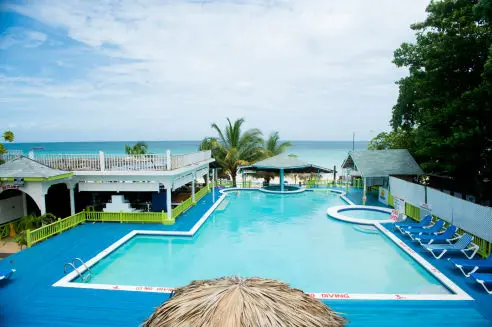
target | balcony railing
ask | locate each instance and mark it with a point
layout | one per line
(116, 162)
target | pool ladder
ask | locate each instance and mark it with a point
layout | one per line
(82, 263)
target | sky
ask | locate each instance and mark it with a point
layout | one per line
(165, 70)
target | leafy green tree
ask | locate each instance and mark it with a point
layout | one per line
(137, 148)
(7, 136)
(234, 147)
(446, 98)
(396, 139)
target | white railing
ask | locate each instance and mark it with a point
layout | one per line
(11, 154)
(69, 162)
(115, 162)
(183, 160)
(150, 162)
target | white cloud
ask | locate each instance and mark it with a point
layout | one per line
(21, 36)
(313, 69)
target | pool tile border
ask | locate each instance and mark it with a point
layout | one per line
(459, 293)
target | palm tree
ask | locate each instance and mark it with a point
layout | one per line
(137, 148)
(233, 147)
(273, 146)
(8, 136)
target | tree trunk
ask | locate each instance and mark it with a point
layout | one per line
(233, 176)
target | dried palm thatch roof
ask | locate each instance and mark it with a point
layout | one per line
(240, 302)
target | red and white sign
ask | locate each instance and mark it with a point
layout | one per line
(394, 215)
(10, 187)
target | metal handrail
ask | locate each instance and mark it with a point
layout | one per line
(85, 266)
(71, 265)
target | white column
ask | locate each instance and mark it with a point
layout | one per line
(281, 180)
(193, 189)
(31, 155)
(168, 160)
(101, 161)
(213, 185)
(42, 205)
(72, 201)
(24, 203)
(168, 202)
(364, 196)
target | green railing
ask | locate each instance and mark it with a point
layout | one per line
(182, 207)
(391, 200)
(412, 211)
(44, 232)
(200, 194)
(226, 183)
(4, 230)
(129, 217)
(313, 183)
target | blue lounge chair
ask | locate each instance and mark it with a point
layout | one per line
(422, 223)
(434, 229)
(463, 245)
(483, 279)
(6, 273)
(447, 236)
(471, 265)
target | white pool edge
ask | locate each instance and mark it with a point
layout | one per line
(459, 295)
(337, 213)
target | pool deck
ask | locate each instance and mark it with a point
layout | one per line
(29, 299)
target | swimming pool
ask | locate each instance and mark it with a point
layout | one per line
(286, 237)
(366, 214)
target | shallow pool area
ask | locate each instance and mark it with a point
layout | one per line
(285, 237)
(369, 214)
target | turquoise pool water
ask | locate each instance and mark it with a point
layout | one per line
(286, 237)
(366, 214)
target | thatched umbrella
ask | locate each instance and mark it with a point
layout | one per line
(242, 302)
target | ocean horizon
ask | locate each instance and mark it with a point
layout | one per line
(322, 153)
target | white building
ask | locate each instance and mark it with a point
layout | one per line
(27, 182)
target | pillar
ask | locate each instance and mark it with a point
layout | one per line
(168, 203)
(347, 181)
(281, 180)
(168, 160)
(213, 185)
(193, 189)
(24, 203)
(72, 201)
(101, 161)
(364, 196)
(42, 205)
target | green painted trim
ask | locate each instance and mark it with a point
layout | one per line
(40, 179)
(62, 176)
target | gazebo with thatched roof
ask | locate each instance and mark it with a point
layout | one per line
(285, 164)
